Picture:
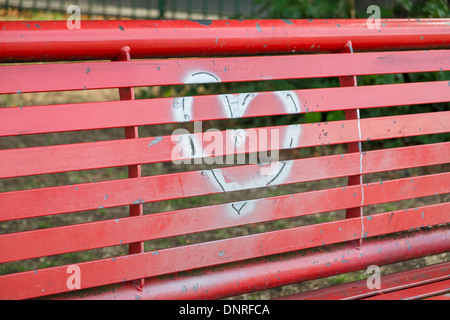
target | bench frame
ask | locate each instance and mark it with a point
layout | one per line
(222, 268)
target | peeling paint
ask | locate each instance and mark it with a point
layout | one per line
(203, 22)
(155, 141)
(258, 27)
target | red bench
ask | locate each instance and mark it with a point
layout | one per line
(158, 53)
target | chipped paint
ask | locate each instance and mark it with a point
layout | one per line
(206, 23)
(155, 141)
(258, 27)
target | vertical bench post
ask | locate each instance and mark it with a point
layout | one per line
(134, 171)
(351, 81)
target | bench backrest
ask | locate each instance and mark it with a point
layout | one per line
(238, 258)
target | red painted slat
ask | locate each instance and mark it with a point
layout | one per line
(87, 236)
(440, 297)
(28, 41)
(99, 115)
(390, 282)
(53, 280)
(62, 158)
(88, 196)
(274, 271)
(415, 293)
(100, 75)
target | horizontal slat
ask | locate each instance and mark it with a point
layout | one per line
(391, 282)
(445, 296)
(101, 75)
(92, 235)
(415, 293)
(274, 271)
(88, 196)
(112, 114)
(53, 280)
(53, 159)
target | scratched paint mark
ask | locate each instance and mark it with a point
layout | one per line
(221, 253)
(155, 141)
(138, 201)
(287, 21)
(88, 70)
(206, 23)
(258, 27)
(121, 28)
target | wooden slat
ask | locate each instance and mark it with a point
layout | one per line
(112, 114)
(88, 196)
(53, 280)
(100, 75)
(51, 241)
(95, 155)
